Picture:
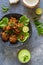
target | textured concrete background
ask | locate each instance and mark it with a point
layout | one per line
(8, 56)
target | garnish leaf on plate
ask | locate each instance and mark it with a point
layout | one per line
(24, 19)
(26, 35)
(4, 22)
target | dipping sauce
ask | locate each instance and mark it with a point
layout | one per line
(24, 56)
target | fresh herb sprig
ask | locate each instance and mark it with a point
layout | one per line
(5, 8)
(39, 26)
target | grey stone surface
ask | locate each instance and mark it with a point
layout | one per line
(8, 56)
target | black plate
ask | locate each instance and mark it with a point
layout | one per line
(17, 16)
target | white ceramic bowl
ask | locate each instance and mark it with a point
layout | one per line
(30, 3)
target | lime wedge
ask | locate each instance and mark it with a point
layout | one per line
(25, 29)
(38, 11)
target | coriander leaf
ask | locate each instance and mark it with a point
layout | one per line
(25, 58)
(40, 30)
(12, 24)
(37, 22)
